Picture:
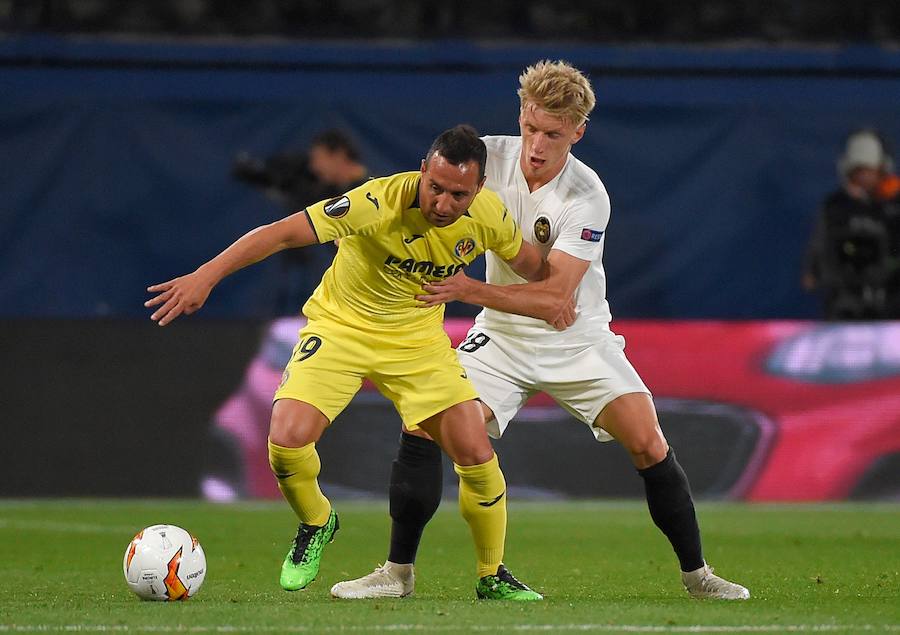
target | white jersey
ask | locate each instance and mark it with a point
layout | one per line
(570, 213)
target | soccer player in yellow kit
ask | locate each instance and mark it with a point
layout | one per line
(396, 234)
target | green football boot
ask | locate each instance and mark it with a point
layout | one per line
(301, 564)
(503, 586)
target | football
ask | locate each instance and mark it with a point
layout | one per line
(164, 562)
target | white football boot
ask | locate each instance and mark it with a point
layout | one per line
(702, 583)
(387, 581)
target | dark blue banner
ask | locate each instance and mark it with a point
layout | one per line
(117, 158)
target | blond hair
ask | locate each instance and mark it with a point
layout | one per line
(558, 88)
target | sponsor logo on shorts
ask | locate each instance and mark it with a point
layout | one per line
(337, 207)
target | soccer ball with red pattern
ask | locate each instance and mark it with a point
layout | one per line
(164, 562)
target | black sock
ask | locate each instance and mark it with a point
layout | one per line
(417, 482)
(672, 509)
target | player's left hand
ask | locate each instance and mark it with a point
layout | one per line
(566, 317)
(456, 287)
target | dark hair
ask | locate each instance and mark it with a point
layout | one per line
(336, 140)
(460, 144)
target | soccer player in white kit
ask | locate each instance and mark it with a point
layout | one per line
(525, 340)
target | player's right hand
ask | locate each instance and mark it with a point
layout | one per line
(185, 294)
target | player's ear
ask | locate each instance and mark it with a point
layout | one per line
(481, 184)
(579, 133)
(424, 166)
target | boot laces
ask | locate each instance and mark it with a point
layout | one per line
(300, 550)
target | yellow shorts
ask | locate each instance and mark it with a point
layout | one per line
(330, 361)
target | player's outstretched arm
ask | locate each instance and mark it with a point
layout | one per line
(187, 293)
(549, 299)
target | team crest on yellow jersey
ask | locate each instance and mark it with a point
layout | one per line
(464, 247)
(542, 229)
(337, 207)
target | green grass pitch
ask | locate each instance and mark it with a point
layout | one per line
(602, 566)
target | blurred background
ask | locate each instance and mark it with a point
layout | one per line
(752, 259)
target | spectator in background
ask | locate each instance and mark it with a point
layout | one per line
(852, 256)
(889, 195)
(335, 161)
(331, 166)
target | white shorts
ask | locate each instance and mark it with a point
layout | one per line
(581, 378)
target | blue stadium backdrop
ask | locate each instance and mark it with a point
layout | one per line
(116, 172)
(117, 158)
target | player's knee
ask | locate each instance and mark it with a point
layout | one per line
(474, 449)
(474, 456)
(647, 448)
(295, 424)
(281, 429)
(656, 452)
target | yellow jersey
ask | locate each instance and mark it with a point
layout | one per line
(388, 250)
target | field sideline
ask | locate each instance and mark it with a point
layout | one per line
(602, 566)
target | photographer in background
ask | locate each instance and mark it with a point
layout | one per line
(330, 167)
(335, 161)
(852, 257)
